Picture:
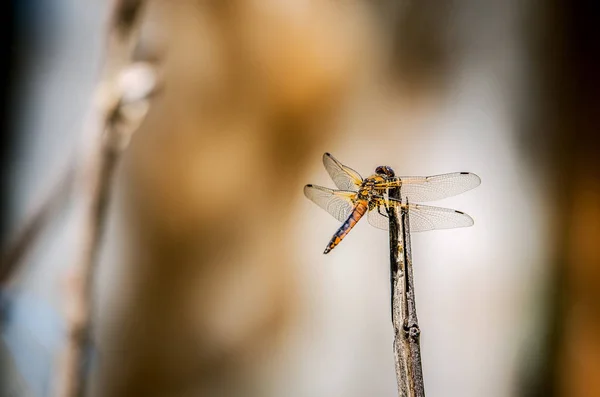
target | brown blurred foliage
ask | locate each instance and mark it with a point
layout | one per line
(567, 130)
(252, 89)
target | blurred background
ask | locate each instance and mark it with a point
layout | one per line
(212, 280)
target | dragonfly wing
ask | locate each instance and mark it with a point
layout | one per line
(378, 217)
(437, 187)
(345, 178)
(338, 203)
(423, 218)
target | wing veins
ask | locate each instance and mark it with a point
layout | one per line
(421, 217)
(338, 203)
(432, 188)
(345, 178)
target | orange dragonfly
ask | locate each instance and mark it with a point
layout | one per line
(357, 196)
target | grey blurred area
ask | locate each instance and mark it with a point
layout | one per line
(57, 51)
(212, 281)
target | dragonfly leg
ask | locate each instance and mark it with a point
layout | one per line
(380, 213)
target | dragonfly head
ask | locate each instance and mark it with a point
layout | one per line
(385, 170)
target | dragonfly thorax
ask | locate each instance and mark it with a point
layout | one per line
(368, 187)
(364, 193)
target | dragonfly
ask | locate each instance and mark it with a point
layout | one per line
(355, 197)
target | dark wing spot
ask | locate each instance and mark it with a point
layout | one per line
(310, 185)
(327, 154)
(460, 212)
(465, 173)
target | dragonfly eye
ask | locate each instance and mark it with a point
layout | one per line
(385, 170)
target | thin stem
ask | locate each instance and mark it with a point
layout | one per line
(407, 351)
(76, 359)
(411, 324)
(106, 134)
(26, 236)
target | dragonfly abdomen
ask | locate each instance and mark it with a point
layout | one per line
(360, 208)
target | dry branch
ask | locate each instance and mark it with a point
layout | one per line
(407, 351)
(108, 127)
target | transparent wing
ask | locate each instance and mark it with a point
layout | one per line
(437, 187)
(337, 202)
(345, 178)
(377, 216)
(422, 218)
